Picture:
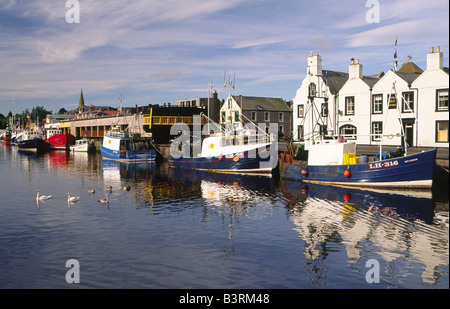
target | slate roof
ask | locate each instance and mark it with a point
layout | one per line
(334, 80)
(261, 103)
(408, 77)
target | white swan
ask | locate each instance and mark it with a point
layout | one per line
(42, 197)
(72, 199)
(104, 200)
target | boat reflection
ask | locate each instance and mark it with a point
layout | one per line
(114, 170)
(397, 225)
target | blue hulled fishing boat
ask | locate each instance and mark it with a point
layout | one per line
(335, 162)
(238, 151)
(32, 141)
(124, 146)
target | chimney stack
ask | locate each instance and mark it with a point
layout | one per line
(435, 59)
(355, 69)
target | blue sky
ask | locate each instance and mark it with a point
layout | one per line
(156, 51)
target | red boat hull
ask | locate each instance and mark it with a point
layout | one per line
(61, 141)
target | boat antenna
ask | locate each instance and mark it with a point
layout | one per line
(231, 84)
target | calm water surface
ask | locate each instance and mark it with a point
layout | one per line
(184, 229)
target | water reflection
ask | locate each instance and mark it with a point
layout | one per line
(182, 226)
(382, 225)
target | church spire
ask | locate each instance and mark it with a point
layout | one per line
(81, 102)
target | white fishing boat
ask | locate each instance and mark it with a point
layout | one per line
(241, 150)
(82, 145)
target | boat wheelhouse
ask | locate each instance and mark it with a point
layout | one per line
(123, 146)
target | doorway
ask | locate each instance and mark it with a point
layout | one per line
(408, 129)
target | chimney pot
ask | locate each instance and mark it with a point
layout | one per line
(438, 49)
(432, 50)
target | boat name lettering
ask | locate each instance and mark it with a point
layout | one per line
(381, 164)
(412, 160)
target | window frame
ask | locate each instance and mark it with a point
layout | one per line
(348, 126)
(380, 104)
(411, 105)
(302, 108)
(374, 137)
(438, 109)
(347, 105)
(437, 131)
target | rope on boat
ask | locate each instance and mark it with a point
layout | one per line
(157, 149)
(443, 167)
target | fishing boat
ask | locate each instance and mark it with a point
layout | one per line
(32, 141)
(82, 145)
(6, 138)
(335, 162)
(124, 146)
(241, 150)
(59, 140)
(332, 160)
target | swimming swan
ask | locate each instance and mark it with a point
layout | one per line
(72, 199)
(42, 197)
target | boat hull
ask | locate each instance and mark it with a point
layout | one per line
(225, 164)
(413, 171)
(128, 155)
(33, 145)
(61, 141)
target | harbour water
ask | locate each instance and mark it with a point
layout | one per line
(178, 229)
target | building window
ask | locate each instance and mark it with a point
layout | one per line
(253, 116)
(377, 130)
(312, 90)
(442, 100)
(236, 116)
(280, 129)
(348, 131)
(377, 104)
(301, 110)
(266, 116)
(324, 110)
(442, 131)
(280, 117)
(408, 102)
(224, 115)
(349, 105)
(300, 132)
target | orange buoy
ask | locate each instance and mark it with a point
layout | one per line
(347, 173)
(304, 172)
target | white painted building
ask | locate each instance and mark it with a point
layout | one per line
(433, 87)
(316, 100)
(375, 108)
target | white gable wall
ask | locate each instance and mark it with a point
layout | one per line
(358, 89)
(428, 83)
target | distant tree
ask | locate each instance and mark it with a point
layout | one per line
(62, 111)
(38, 113)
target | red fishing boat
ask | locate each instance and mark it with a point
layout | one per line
(59, 140)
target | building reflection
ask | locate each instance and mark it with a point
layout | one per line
(388, 226)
